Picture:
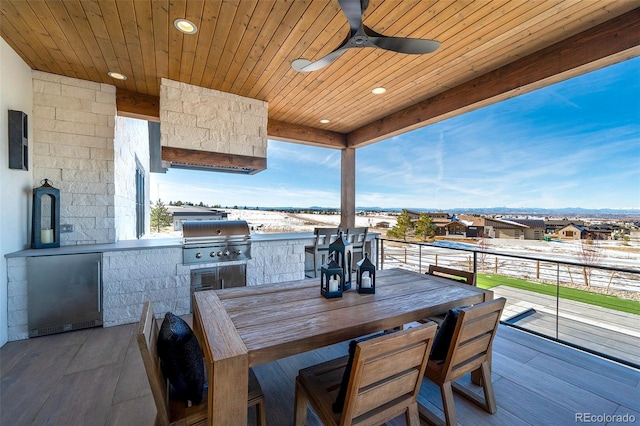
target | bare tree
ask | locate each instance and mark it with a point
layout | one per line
(483, 245)
(590, 254)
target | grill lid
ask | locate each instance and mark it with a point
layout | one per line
(214, 230)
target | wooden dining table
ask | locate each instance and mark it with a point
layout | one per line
(243, 327)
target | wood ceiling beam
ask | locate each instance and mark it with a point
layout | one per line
(137, 105)
(288, 132)
(610, 42)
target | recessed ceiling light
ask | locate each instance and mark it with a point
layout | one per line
(325, 121)
(117, 75)
(378, 90)
(185, 26)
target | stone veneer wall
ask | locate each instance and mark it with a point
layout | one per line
(203, 119)
(73, 135)
(17, 316)
(275, 262)
(129, 278)
(131, 142)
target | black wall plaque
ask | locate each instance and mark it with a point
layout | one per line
(18, 140)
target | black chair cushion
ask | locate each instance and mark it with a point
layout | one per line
(443, 337)
(338, 405)
(181, 360)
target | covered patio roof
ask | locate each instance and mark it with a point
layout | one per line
(489, 51)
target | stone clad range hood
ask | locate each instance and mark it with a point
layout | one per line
(204, 129)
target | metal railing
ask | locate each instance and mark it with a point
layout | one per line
(548, 297)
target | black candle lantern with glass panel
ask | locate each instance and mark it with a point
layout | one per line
(45, 219)
(331, 279)
(366, 276)
(342, 251)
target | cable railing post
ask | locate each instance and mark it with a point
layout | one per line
(558, 300)
(475, 267)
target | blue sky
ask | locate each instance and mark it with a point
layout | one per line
(572, 144)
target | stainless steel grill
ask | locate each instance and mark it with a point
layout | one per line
(215, 241)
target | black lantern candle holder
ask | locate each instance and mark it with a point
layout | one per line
(45, 219)
(366, 276)
(331, 279)
(343, 253)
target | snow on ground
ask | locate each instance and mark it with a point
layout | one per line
(270, 221)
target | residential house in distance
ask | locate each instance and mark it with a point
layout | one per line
(552, 226)
(439, 219)
(190, 212)
(475, 226)
(570, 232)
(598, 232)
(535, 230)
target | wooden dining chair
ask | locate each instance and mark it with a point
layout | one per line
(453, 274)
(171, 412)
(469, 350)
(320, 249)
(381, 383)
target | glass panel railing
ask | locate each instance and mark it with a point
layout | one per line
(591, 306)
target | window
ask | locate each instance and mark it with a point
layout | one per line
(568, 233)
(140, 197)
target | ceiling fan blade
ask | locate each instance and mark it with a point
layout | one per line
(304, 65)
(405, 45)
(353, 10)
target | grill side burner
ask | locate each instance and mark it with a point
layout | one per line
(215, 241)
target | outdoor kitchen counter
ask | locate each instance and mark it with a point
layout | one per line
(134, 271)
(147, 243)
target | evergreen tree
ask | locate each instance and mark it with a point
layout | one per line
(402, 226)
(160, 216)
(425, 229)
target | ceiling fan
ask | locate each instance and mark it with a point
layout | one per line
(363, 36)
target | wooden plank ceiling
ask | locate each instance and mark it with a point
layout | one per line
(490, 50)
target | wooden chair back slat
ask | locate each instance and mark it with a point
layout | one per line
(147, 338)
(380, 368)
(357, 236)
(451, 273)
(401, 387)
(325, 236)
(478, 327)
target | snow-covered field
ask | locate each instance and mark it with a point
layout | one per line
(268, 221)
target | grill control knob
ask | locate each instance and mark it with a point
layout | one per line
(198, 255)
(226, 253)
(212, 254)
(219, 253)
(238, 252)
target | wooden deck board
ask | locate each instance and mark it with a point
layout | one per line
(537, 382)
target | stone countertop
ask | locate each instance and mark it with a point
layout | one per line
(145, 243)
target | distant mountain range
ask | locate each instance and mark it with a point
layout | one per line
(506, 211)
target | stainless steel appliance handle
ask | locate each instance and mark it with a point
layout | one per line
(99, 286)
